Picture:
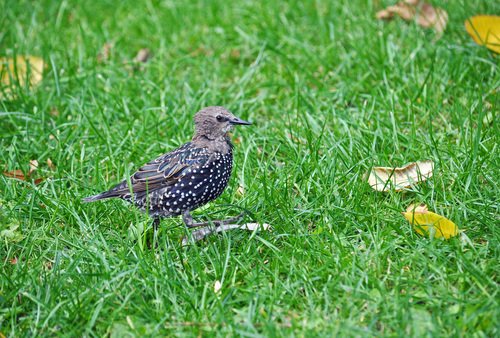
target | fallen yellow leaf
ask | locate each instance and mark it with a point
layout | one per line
(24, 69)
(427, 223)
(386, 178)
(485, 30)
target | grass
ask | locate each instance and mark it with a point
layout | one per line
(332, 92)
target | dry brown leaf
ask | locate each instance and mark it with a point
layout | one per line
(105, 52)
(39, 180)
(19, 174)
(426, 15)
(143, 55)
(386, 178)
(33, 166)
(24, 69)
(403, 10)
(13, 261)
(427, 223)
(422, 208)
(485, 30)
(431, 17)
(50, 164)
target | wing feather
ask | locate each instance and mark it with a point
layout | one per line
(164, 171)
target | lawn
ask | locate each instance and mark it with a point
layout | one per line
(331, 91)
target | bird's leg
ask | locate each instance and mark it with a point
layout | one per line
(188, 220)
(206, 229)
(153, 242)
(231, 220)
(156, 223)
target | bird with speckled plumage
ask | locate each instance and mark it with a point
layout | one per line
(186, 178)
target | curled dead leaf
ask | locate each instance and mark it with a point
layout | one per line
(386, 178)
(20, 175)
(50, 164)
(427, 223)
(39, 180)
(33, 166)
(143, 55)
(485, 30)
(426, 15)
(17, 173)
(431, 17)
(401, 9)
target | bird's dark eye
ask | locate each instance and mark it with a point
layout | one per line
(220, 118)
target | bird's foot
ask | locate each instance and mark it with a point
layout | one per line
(230, 220)
(153, 242)
(208, 228)
(188, 220)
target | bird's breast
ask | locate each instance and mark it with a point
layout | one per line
(198, 185)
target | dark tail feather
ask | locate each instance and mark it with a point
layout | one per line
(98, 197)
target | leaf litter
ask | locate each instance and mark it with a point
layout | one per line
(427, 223)
(387, 178)
(485, 30)
(143, 55)
(423, 13)
(23, 69)
(21, 175)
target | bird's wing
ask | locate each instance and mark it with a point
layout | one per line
(164, 171)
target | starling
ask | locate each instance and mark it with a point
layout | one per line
(186, 178)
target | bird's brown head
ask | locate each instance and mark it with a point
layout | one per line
(214, 123)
